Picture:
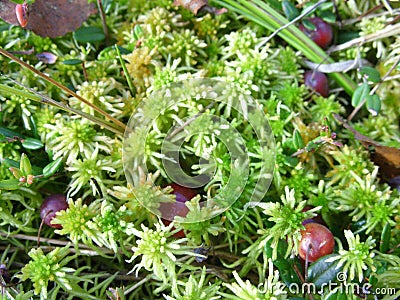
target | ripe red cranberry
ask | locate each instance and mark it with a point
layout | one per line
(317, 240)
(318, 82)
(171, 209)
(50, 206)
(322, 34)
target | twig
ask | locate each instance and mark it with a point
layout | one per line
(103, 21)
(355, 20)
(128, 78)
(118, 123)
(134, 287)
(44, 99)
(386, 32)
(82, 247)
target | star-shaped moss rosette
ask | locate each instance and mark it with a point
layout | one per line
(204, 134)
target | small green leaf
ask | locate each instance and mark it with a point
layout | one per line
(374, 104)
(385, 238)
(89, 34)
(25, 165)
(320, 272)
(9, 184)
(32, 144)
(297, 140)
(286, 271)
(123, 50)
(309, 25)
(325, 6)
(16, 172)
(137, 32)
(360, 94)
(371, 73)
(72, 62)
(290, 10)
(327, 16)
(9, 133)
(8, 162)
(52, 167)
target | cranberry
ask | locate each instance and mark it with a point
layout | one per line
(322, 34)
(317, 81)
(171, 209)
(50, 206)
(317, 240)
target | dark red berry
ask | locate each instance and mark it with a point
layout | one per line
(317, 240)
(50, 206)
(322, 34)
(171, 209)
(318, 82)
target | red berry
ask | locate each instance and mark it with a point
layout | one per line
(178, 208)
(50, 206)
(318, 82)
(322, 35)
(183, 193)
(317, 240)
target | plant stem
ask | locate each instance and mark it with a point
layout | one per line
(383, 33)
(264, 15)
(103, 21)
(44, 99)
(119, 124)
(128, 78)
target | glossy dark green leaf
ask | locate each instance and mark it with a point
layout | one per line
(345, 36)
(9, 184)
(9, 133)
(286, 271)
(385, 238)
(360, 94)
(8, 162)
(89, 34)
(297, 140)
(32, 144)
(374, 104)
(123, 50)
(327, 16)
(290, 10)
(320, 272)
(309, 25)
(72, 62)
(52, 167)
(371, 73)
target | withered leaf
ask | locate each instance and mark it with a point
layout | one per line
(387, 158)
(197, 6)
(50, 18)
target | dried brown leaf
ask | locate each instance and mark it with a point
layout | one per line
(50, 18)
(387, 158)
(196, 6)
